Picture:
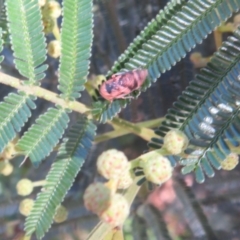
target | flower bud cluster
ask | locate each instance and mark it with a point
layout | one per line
(51, 10)
(156, 167)
(111, 207)
(103, 199)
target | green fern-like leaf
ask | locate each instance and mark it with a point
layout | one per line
(207, 112)
(15, 111)
(76, 41)
(3, 21)
(72, 153)
(146, 34)
(200, 89)
(27, 38)
(1, 46)
(43, 136)
(168, 45)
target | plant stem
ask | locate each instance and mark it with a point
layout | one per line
(39, 183)
(144, 133)
(44, 94)
(55, 31)
(122, 130)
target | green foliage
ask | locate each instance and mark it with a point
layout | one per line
(208, 112)
(152, 27)
(166, 46)
(76, 41)
(70, 158)
(15, 111)
(28, 42)
(42, 137)
(3, 21)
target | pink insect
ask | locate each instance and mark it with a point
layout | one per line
(122, 84)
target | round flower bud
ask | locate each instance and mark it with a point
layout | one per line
(7, 169)
(61, 214)
(10, 151)
(52, 9)
(125, 180)
(48, 24)
(24, 187)
(54, 49)
(97, 197)
(230, 162)
(41, 3)
(117, 212)
(26, 206)
(175, 142)
(112, 163)
(157, 169)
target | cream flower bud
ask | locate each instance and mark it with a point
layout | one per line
(24, 187)
(125, 180)
(97, 197)
(175, 142)
(117, 212)
(6, 168)
(230, 162)
(52, 9)
(157, 169)
(10, 150)
(48, 24)
(41, 3)
(112, 163)
(61, 214)
(26, 206)
(54, 48)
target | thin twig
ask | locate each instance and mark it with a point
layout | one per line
(43, 93)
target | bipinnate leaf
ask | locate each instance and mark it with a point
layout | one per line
(27, 38)
(185, 28)
(208, 113)
(42, 137)
(76, 42)
(70, 158)
(15, 111)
